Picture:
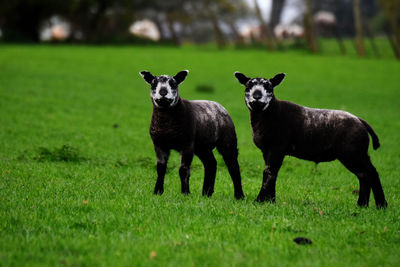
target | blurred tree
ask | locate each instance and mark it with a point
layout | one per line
(266, 33)
(175, 13)
(359, 38)
(211, 8)
(371, 38)
(217, 13)
(101, 20)
(218, 17)
(344, 15)
(276, 11)
(391, 10)
(231, 10)
(94, 20)
(237, 38)
(346, 20)
(309, 30)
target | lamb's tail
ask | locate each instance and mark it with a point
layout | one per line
(375, 140)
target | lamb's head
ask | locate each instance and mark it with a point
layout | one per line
(259, 91)
(164, 89)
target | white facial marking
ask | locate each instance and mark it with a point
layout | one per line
(166, 86)
(171, 94)
(265, 96)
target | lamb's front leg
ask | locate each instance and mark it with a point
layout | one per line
(273, 162)
(162, 160)
(184, 170)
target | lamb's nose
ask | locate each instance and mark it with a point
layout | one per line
(163, 92)
(257, 95)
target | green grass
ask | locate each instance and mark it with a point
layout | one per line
(77, 166)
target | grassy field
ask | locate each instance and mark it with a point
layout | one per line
(77, 166)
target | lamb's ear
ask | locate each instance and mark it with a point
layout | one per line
(147, 76)
(243, 79)
(181, 76)
(277, 79)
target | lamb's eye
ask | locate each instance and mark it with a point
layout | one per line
(171, 83)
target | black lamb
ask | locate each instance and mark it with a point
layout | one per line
(283, 128)
(191, 128)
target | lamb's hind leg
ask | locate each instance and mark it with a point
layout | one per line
(229, 152)
(368, 177)
(376, 185)
(210, 170)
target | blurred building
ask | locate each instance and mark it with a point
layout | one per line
(145, 29)
(55, 29)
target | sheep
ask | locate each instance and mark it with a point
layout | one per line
(283, 128)
(191, 128)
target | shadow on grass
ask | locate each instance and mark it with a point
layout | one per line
(64, 153)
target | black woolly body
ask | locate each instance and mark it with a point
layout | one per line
(317, 135)
(203, 124)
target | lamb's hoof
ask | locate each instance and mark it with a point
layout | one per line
(158, 191)
(362, 204)
(265, 199)
(382, 205)
(207, 193)
(239, 196)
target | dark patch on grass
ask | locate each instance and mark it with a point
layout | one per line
(122, 163)
(302, 241)
(289, 169)
(145, 162)
(308, 202)
(65, 153)
(356, 192)
(205, 88)
(22, 157)
(115, 125)
(83, 225)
